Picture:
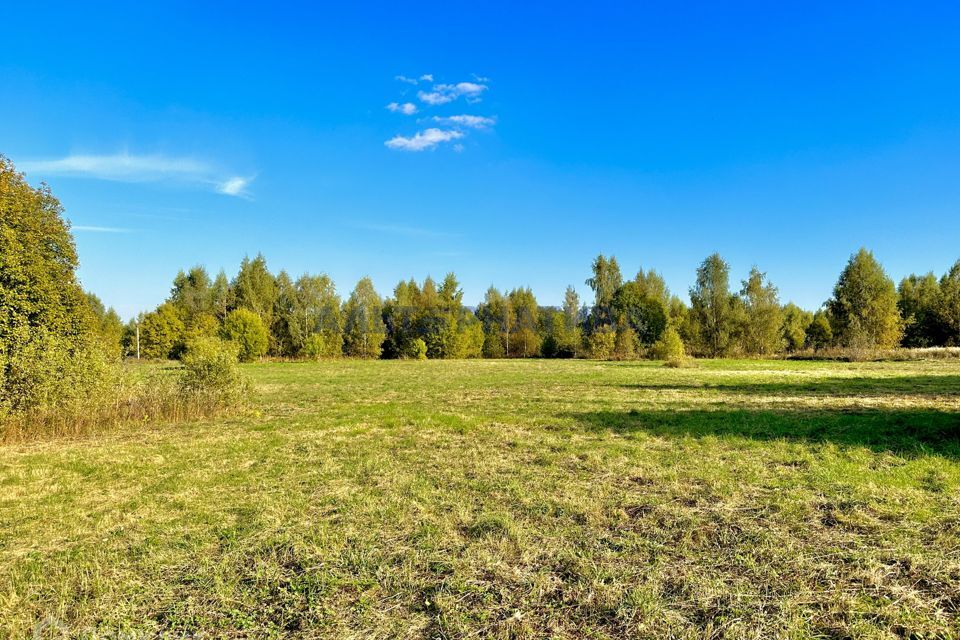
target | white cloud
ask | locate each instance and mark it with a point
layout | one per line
(473, 122)
(81, 227)
(235, 186)
(427, 77)
(407, 108)
(405, 79)
(119, 166)
(126, 167)
(444, 93)
(423, 140)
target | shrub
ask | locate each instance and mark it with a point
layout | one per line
(625, 343)
(325, 344)
(416, 349)
(669, 347)
(211, 373)
(601, 343)
(246, 329)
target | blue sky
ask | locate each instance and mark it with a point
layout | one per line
(783, 136)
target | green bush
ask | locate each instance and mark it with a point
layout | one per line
(247, 331)
(601, 343)
(211, 372)
(669, 347)
(416, 349)
(325, 344)
(625, 343)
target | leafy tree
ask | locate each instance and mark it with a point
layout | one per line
(949, 315)
(571, 309)
(203, 325)
(315, 317)
(605, 281)
(162, 333)
(470, 338)
(560, 338)
(46, 338)
(191, 294)
(920, 303)
(763, 317)
(643, 312)
(496, 315)
(220, 296)
(107, 326)
(819, 332)
(863, 310)
(678, 315)
(400, 319)
(247, 330)
(284, 302)
(365, 330)
(652, 285)
(712, 306)
(569, 339)
(525, 339)
(794, 327)
(255, 288)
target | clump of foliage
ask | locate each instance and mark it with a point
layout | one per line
(317, 346)
(670, 348)
(248, 332)
(416, 349)
(625, 342)
(211, 373)
(863, 311)
(601, 343)
(49, 351)
(365, 330)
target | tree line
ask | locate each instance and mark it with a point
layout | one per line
(277, 315)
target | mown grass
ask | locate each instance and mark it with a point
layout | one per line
(526, 499)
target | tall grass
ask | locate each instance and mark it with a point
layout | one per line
(208, 383)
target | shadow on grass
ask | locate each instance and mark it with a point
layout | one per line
(912, 432)
(933, 386)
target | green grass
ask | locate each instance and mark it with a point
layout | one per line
(565, 499)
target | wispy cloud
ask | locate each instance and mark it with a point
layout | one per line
(444, 93)
(407, 108)
(423, 140)
(235, 186)
(90, 229)
(409, 232)
(126, 167)
(473, 122)
(426, 77)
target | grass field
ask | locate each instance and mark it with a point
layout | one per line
(528, 499)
